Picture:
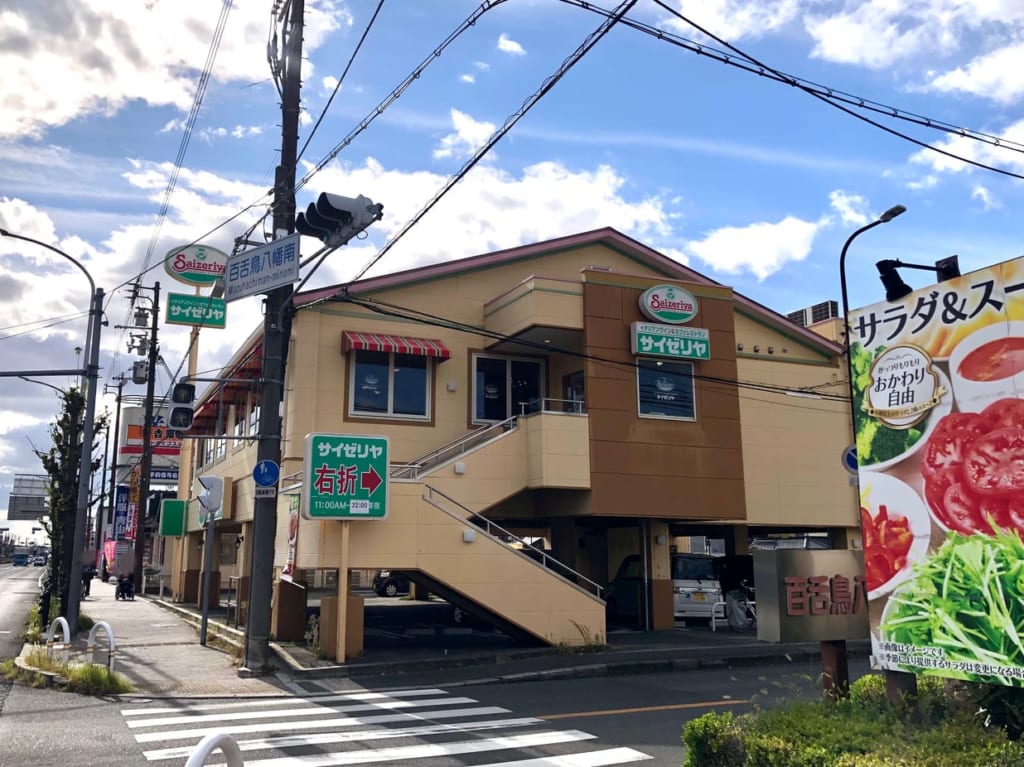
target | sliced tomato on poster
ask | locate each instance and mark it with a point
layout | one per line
(935, 487)
(948, 444)
(958, 422)
(960, 510)
(1003, 413)
(994, 463)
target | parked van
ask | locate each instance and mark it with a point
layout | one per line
(695, 587)
(19, 560)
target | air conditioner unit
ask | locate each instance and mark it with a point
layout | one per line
(812, 315)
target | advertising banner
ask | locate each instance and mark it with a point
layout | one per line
(938, 402)
(120, 512)
(288, 571)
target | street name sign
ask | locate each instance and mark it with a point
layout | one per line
(183, 309)
(261, 269)
(346, 477)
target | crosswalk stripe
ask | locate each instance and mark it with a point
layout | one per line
(428, 750)
(289, 701)
(318, 739)
(163, 721)
(312, 724)
(602, 758)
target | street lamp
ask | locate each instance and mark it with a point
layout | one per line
(885, 218)
(91, 375)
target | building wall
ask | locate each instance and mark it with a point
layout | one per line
(792, 445)
(644, 467)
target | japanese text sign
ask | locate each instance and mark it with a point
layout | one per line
(670, 341)
(261, 269)
(938, 402)
(810, 595)
(207, 311)
(346, 477)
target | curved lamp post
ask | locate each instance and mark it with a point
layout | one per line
(91, 374)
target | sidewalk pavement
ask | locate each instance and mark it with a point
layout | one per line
(158, 650)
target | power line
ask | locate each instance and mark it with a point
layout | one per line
(835, 105)
(53, 324)
(337, 85)
(393, 310)
(570, 61)
(821, 91)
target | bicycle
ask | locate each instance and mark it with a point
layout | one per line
(741, 608)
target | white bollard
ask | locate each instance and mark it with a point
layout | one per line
(217, 741)
(90, 645)
(66, 633)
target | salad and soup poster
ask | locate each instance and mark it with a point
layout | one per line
(938, 398)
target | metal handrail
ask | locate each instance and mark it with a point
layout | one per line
(452, 450)
(575, 406)
(546, 560)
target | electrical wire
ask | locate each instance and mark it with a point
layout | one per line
(58, 318)
(53, 324)
(337, 85)
(570, 61)
(468, 23)
(835, 105)
(393, 310)
(824, 90)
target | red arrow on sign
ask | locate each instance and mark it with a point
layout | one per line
(370, 480)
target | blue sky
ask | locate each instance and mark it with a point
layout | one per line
(755, 183)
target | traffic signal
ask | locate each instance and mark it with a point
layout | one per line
(183, 405)
(335, 220)
(213, 492)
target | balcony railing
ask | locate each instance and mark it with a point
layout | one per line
(552, 405)
(452, 450)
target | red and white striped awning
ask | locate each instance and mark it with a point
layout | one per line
(380, 342)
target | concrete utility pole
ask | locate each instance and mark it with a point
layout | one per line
(147, 445)
(114, 464)
(276, 332)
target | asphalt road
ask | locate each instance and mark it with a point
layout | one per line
(19, 589)
(577, 723)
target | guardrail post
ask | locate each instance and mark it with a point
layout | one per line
(90, 646)
(66, 632)
(217, 741)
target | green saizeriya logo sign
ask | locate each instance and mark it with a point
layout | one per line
(668, 303)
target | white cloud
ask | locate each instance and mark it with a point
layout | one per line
(929, 181)
(978, 151)
(507, 45)
(483, 66)
(995, 75)
(467, 78)
(761, 248)
(734, 19)
(329, 83)
(852, 208)
(105, 55)
(468, 136)
(986, 197)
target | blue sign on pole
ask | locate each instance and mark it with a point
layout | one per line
(850, 459)
(266, 474)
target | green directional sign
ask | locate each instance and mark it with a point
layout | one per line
(183, 309)
(346, 477)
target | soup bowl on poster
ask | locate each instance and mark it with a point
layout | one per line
(988, 365)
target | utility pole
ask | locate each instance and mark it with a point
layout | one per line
(276, 332)
(114, 465)
(147, 445)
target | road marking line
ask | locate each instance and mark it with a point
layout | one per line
(670, 707)
(289, 701)
(588, 759)
(314, 724)
(428, 750)
(162, 721)
(316, 739)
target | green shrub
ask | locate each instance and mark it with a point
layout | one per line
(713, 740)
(93, 679)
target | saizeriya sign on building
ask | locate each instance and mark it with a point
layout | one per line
(668, 303)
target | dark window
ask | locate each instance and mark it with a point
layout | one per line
(505, 387)
(388, 383)
(693, 568)
(665, 389)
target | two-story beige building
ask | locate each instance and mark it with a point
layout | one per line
(525, 393)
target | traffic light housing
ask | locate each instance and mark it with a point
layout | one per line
(183, 405)
(212, 495)
(334, 219)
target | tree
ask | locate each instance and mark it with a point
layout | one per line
(61, 463)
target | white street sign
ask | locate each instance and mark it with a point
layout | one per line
(266, 492)
(259, 270)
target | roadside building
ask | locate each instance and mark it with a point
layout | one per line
(526, 396)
